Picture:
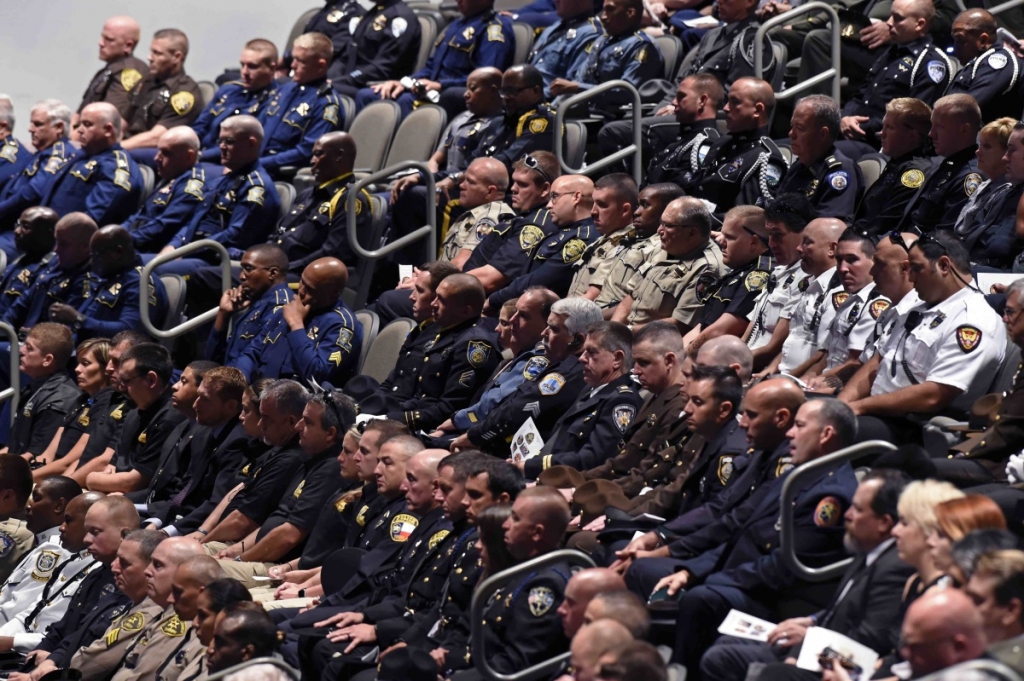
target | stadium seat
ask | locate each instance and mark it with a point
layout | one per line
(373, 129)
(418, 135)
(207, 90)
(371, 325)
(287, 194)
(300, 24)
(429, 28)
(383, 353)
(575, 141)
(361, 276)
(781, 55)
(348, 109)
(148, 183)
(176, 287)
(872, 166)
(671, 51)
(524, 41)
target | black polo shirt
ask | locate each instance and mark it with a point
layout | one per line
(144, 433)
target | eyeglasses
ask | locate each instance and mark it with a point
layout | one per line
(751, 232)
(129, 379)
(532, 163)
(554, 196)
(675, 225)
(511, 91)
(226, 141)
(930, 239)
(896, 237)
(1011, 313)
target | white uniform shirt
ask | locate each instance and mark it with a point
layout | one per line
(891, 320)
(810, 318)
(23, 587)
(959, 342)
(853, 324)
(773, 302)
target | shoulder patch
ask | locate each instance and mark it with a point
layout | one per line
(541, 599)
(623, 415)
(551, 384)
(495, 34)
(182, 102)
(877, 307)
(477, 352)
(255, 195)
(839, 297)
(331, 114)
(971, 183)
(195, 187)
(130, 78)
(398, 26)
(45, 562)
(134, 622)
(997, 60)
(402, 525)
(828, 512)
(755, 280)
(913, 178)
(174, 627)
(535, 367)
(937, 70)
(538, 125)
(839, 180)
(530, 237)
(572, 250)
(784, 465)
(968, 337)
(361, 516)
(436, 539)
(726, 465)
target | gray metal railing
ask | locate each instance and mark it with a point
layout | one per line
(199, 320)
(428, 231)
(1003, 6)
(632, 150)
(790, 490)
(783, 19)
(14, 390)
(272, 661)
(493, 583)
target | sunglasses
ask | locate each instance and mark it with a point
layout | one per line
(532, 163)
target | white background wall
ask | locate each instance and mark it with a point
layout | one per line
(48, 48)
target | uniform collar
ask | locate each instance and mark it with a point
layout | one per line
(339, 178)
(822, 280)
(51, 535)
(244, 170)
(963, 155)
(699, 124)
(916, 46)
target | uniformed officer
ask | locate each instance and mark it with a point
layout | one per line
(667, 287)
(122, 72)
(989, 231)
(104, 182)
(239, 208)
(315, 337)
(623, 52)
(911, 66)
(337, 20)
(49, 124)
(34, 238)
(831, 181)
(384, 46)
(956, 121)
(546, 398)
(746, 575)
(479, 37)
(727, 52)
(904, 137)
(250, 95)
(943, 358)
(302, 111)
(593, 428)
(179, 195)
(695, 106)
(991, 71)
(615, 200)
(562, 48)
(481, 195)
(729, 299)
(113, 301)
(165, 98)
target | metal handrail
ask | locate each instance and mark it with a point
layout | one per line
(194, 322)
(483, 594)
(632, 150)
(999, 669)
(14, 391)
(1002, 7)
(272, 661)
(787, 531)
(428, 231)
(787, 18)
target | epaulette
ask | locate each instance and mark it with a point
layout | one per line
(832, 163)
(324, 89)
(625, 389)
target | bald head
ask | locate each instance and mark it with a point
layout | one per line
(974, 31)
(77, 226)
(820, 243)
(182, 136)
(426, 460)
(603, 639)
(191, 577)
(200, 570)
(624, 607)
(727, 351)
(113, 250)
(767, 411)
(548, 512)
(119, 37)
(322, 283)
(119, 510)
(580, 590)
(334, 155)
(458, 297)
(104, 113)
(492, 173)
(180, 549)
(941, 628)
(485, 76)
(758, 103)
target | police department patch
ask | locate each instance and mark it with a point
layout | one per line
(878, 307)
(839, 298)
(572, 250)
(937, 70)
(436, 539)
(398, 26)
(535, 367)
(45, 563)
(784, 465)
(402, 525)
(361, 516)
(538, 125)
(726, 466)
(130, 78)
(345, 339)
(755, 280)
(827, 512)
(839, 180)
(772, 175)
(134, 622)
(540, 599)
(484, 226)
(971, 183)
(551, 384)
(494, 33)
(530, 237)
(298, 489)
(174, 627)
(331, 114)
(997, 60)
(913, 178)
(968, 337)
(255, 195)
(623, 415)
(477, 353)
(182, 102)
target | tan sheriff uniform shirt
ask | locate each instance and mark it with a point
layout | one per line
(623, 269)
(15, 541)
(597, 261)
(473, 226)
(666, 288)
(99, 659)
(163, 638)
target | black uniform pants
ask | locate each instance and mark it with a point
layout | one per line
(855, 59)
(658, 133)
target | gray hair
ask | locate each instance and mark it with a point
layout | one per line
(1016, 287)
(614, 337)
(826, 112)
(245, 124)
(842, 419)
(7, 111)
(579, 312)
(58, 111)
(725, 351)
(290, 396)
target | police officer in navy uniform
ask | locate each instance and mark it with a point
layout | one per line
(34, 238)
(727, 52)
(302, 111)
(695, 105)
(250, 95)
(562, 48)
(166, 97)
(831, 181)
(14, 156)
(991, 71)
(49, 123)
(104, 182)
(624, 52)
(904, 139)
(479, 37)
(593, 429)
(123, 71)
(911, 66)
(337, 20)
(384, 46)
(956, 120)
(179, 195)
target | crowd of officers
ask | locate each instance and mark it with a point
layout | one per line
(630, 370)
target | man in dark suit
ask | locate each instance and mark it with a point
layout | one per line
(866, 604)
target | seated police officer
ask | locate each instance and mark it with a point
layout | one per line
(904, 136)
(177, 197)
(384, 46)
(624, 52)
(49, 125)
(14, 156)
(34, 239)
(104, 182)
(911, 66)
(831, 181)
(991, 70)
(695, 107)
(479, 37)
(166, 97)
(122, 72)
(562, 48)
(482, 195)
(249, 95)
(941, 354)
(336, 20)
(301, 111)
(956, 121)
(239, 208)
(615, 201)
